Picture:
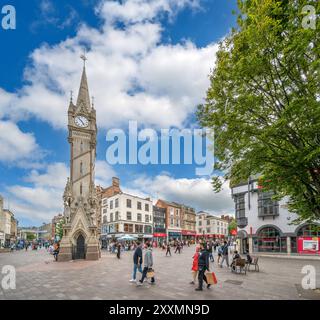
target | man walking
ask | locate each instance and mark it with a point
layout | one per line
(203, 266)
(225, 254)
(168, 249)
(137, 261)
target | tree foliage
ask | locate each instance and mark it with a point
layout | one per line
(264, 103)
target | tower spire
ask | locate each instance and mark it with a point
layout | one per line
(83, 96)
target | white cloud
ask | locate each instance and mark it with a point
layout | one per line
(196, 192)
(131, 75)
(42, 198)
(16, 145)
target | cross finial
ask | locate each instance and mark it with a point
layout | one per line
(84, 58)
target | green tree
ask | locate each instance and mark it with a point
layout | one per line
(30, 236)
(264, 103)
(59, 228)
(232, 225)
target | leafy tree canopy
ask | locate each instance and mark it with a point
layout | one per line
(264, 103)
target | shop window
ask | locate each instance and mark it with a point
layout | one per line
(269, 240)
(310, 230)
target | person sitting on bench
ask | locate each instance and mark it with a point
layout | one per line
(236, 256)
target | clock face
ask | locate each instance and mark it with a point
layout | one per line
(81, 121)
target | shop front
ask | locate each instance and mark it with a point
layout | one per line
(188, 235)
(159, 238)
(269, 239)
(174, 235)
(308, 239)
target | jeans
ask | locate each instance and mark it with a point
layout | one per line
(134, 273)
(201, 276)
(225, 257)
(211, 257)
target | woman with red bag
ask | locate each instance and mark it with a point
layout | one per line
(195, 265)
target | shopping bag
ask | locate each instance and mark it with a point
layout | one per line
(150, 273)
(211, 278)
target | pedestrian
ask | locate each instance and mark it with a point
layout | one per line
(56, 249)
(203, 266)
(118, 250)
(148, 264)
(178, 247)
(210, 252)
(168, 249)
(195, 265)
(236, 256)
(137, 261)
(225, 254)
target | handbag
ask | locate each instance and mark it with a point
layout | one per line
(211, 278)
(150, 273)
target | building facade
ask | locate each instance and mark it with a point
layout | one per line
(8, 226)
(210, 226)
(173, 219)
(188, 222)
(265, 225)
(159, 224)
(125, 214)
(81, 208)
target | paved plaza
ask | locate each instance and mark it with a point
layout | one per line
(39, 277)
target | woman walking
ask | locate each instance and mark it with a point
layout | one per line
(195, 266)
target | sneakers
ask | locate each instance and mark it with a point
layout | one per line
(192, 282)
(139, 283)
(132, 280)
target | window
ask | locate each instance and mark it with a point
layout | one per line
(104, 211)
(200, 230)
(104, 202)
(128, 203)
(104, 219)
(128, 227)
(116, 203)
(309, 230)
(81, 168)
(147, 229)
(111, 217)
(240, 205)
(147, 218)
(200, 223)
(218, 230)
(139, 217)
(116, 218)
(208, 222)
(270, 240)
(139, 205)
(129, 216)
(208, 230)
(146, 207)
(139, 228)
(111, 204)
(266, 205)
(171, 221)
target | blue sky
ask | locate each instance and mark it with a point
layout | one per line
(148, 61)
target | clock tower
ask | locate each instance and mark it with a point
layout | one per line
(81, 230)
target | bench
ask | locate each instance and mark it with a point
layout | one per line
(253, 263)
(239, 265)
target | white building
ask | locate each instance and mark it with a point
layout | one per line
(211, 226)
(127, 214)
(264, 225)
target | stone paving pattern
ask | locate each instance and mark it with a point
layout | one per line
(39, 277)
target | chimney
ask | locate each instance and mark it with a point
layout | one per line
(115, 182)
